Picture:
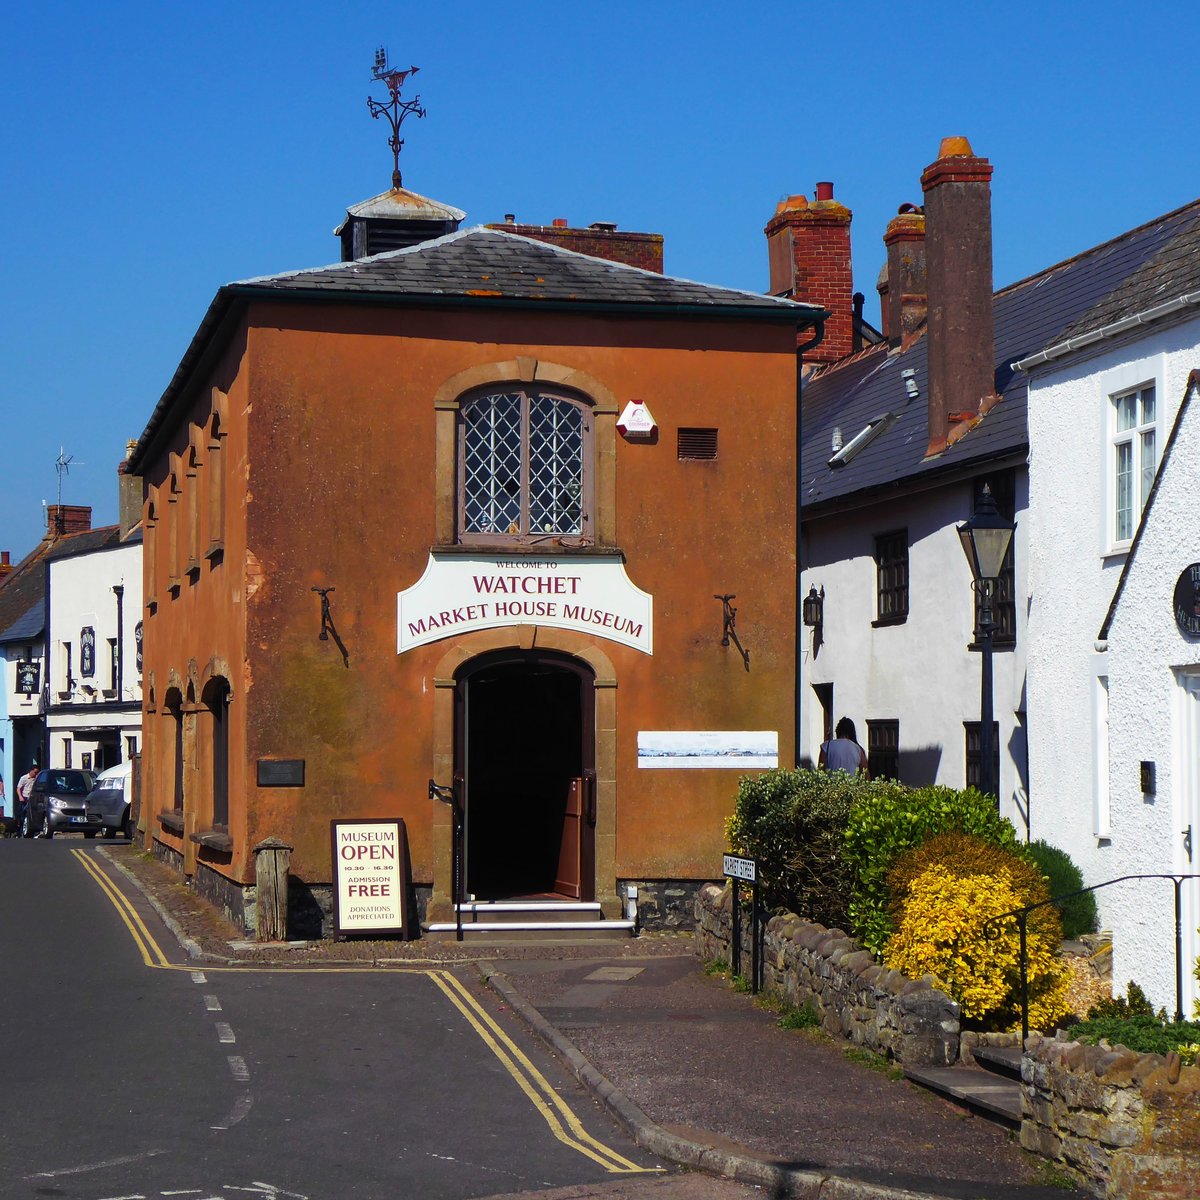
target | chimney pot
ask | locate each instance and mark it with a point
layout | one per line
(955, 147)
(825, 190)
(510, 218)
(4, 558)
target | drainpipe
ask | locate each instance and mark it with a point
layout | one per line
(119, 592)
(814, 341)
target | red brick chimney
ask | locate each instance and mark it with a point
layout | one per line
(599, 240)
(808, 248)
(5, 564)
(62, 519)
(907, 288)
(958, 210)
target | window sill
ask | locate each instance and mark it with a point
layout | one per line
(214, 839)
(525, 550)
(880, 622)
(215, 552)
(172, 820)
(109, 693)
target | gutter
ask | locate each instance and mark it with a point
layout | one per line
(1113, 329)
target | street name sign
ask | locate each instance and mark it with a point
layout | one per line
(740, 868)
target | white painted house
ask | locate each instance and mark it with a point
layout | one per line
(93, 662)
(1103, 397)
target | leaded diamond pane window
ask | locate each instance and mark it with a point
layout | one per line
(523, 461)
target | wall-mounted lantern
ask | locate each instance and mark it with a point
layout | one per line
(813, 608)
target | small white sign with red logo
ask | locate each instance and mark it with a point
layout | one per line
(636, 421)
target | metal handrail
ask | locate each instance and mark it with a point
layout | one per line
(991, 930)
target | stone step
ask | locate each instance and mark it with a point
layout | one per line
(520, 911)
(511, 932)
(1000, 1060)
(981, 1091)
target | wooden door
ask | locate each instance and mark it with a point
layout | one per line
(569, 876)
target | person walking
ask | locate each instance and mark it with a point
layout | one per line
(23, 790)
(844, 753)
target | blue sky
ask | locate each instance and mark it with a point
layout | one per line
(154, 151)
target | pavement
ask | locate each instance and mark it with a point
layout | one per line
(700, 1073)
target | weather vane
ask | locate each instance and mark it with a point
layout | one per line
(396, 109)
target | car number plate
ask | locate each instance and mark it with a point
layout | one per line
(79, 820)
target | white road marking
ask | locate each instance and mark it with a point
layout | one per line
(225, 1032)
(241, 1107)
(99, 1166)
(197, 977)
(183, 1192)
(212, 1004)
(237, 1065)
(135, 1196)
(266, 1189)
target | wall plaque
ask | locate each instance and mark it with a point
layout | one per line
(370, 877)
(29, 678)
(281, 772)
(1187, 601)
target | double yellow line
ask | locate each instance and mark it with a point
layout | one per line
(563, 1123)
(152, 954)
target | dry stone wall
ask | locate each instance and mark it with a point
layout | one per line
(854, 996)
(1129, 1123)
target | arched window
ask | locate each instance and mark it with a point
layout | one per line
(216, 700)
(524, 466)
(173, 707)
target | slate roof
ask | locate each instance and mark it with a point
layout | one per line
(27, 628)
(479, 267)
(25, 586)
(482, 264)
(1120, 277)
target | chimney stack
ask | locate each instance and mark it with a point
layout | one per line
(62, 519)
(961, 333)
(907, 289)
(129, 493)
(5, 565)
(808, 248)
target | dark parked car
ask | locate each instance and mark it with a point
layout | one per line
(57, 804)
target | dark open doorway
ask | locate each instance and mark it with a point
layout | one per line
(525, 752)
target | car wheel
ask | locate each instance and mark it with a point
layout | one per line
(47, 832)
(110, 832)
(26, 826)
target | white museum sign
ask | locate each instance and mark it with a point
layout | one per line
(463, 593)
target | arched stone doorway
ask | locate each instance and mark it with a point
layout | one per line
(525, 764)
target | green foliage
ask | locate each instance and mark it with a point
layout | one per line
(792, 823)
(1124, 1008)
(1079, 912)
(943, 893)
(804, 1017)
(1145, 1034)
(889, 819)
(871, 1060)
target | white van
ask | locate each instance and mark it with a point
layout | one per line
(109, 799)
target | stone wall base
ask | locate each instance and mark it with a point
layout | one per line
(664, 903)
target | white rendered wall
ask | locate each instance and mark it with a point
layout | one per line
(81, 595)
(1146, 653)
(1072, 575)
(919, 672)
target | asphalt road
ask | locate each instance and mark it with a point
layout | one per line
(128, 1076)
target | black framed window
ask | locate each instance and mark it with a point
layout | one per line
(972, 734)
(216, 698)
(883, 749)
(524, 467)
(112, 664)
(1004, 598)
(891, 577)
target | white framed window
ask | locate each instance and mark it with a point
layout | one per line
(1133, 458)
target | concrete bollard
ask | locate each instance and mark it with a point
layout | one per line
(272, 859)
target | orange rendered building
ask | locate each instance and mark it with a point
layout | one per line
(403, 527)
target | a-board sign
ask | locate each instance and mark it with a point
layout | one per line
(370, 877)
(739, 868)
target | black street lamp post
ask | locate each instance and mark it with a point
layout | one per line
(985, 538)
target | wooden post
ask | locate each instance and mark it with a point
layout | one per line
(271, 861)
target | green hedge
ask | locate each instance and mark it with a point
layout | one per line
(1079, 912)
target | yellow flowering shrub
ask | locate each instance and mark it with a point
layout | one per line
(942, 894)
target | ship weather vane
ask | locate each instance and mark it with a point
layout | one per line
(396, 109)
